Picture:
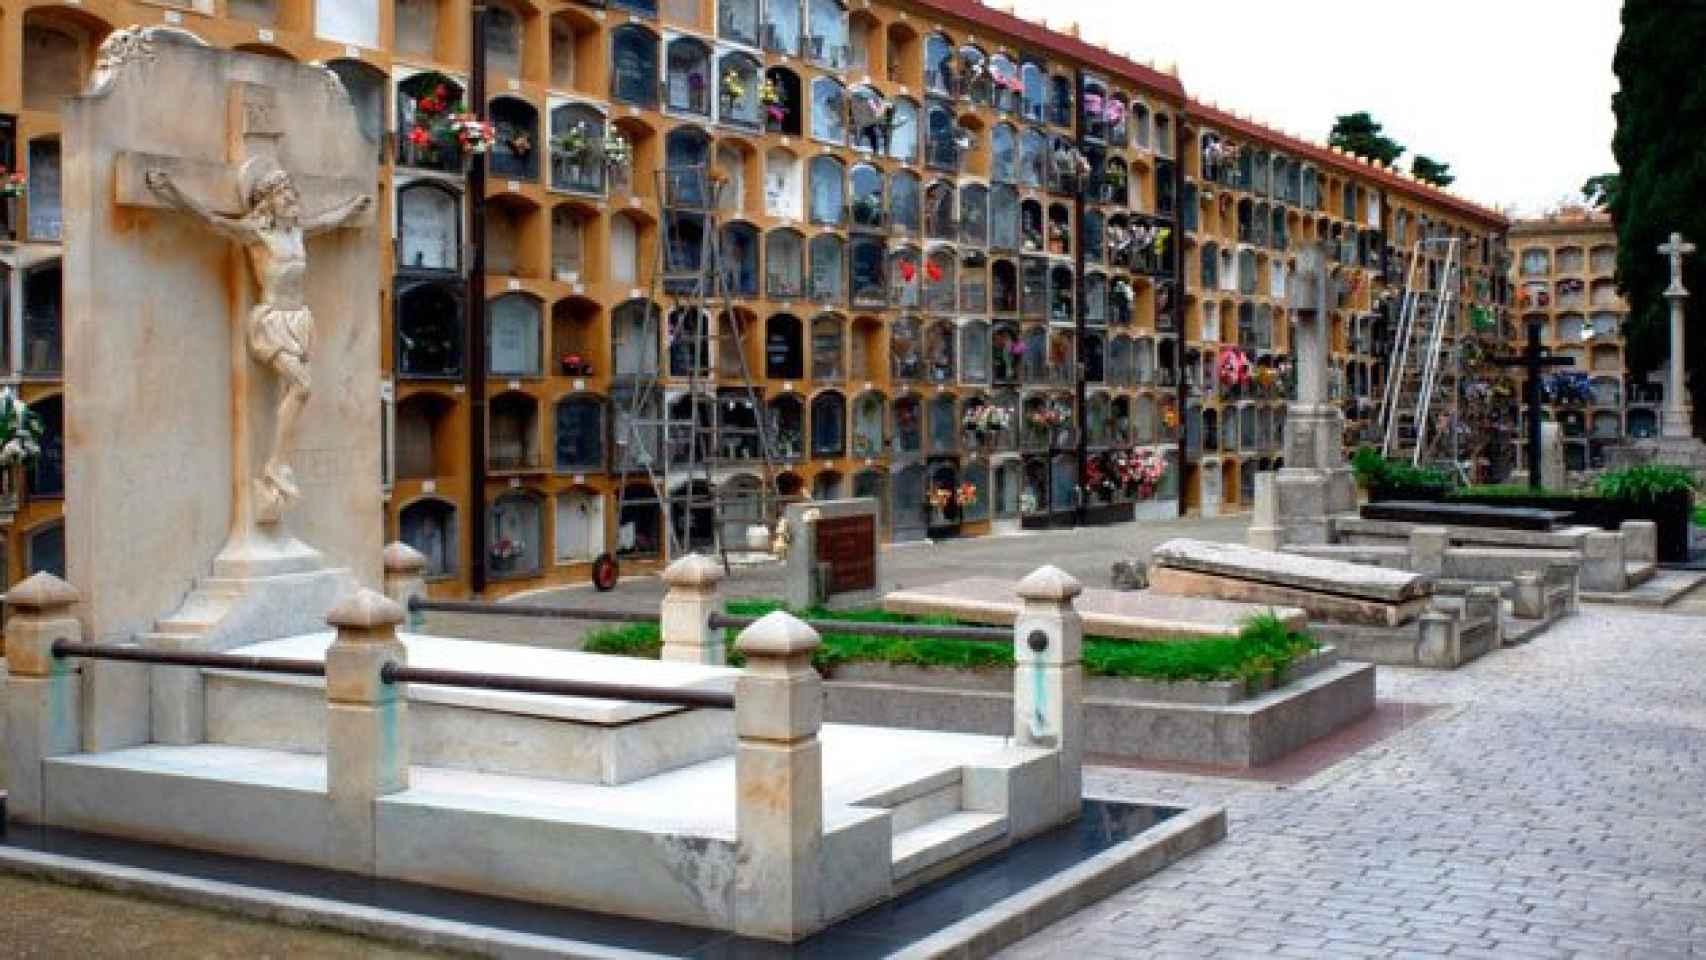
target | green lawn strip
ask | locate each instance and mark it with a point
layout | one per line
(1700, 516)
(1264, 646)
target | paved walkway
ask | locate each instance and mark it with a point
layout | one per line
(1557, 808)
(1087, 554)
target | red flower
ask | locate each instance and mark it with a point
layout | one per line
(441, 92)
(933, 271)
(908, 270)
(419, 137)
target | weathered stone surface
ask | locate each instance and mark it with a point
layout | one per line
(1286, 569)
(1333, 608)
(174, 417)
(1464, 514)
(1128, 615)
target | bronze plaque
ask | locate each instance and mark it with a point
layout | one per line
(849, 546)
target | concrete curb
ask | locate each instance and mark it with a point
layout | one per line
(295, 910)
(1008, 921)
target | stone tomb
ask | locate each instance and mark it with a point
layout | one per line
(1121, 614)
(213, 496)
(1369, 612)
(833, 553)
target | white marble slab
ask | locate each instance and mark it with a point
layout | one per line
(443, 653)
(1289, 569)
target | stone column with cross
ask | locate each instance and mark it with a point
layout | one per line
(181, 303)
(1315, 484)
(1679, 414)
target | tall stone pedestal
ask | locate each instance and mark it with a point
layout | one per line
(1315, 484)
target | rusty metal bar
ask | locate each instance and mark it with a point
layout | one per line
(668, 696)
(176, 658)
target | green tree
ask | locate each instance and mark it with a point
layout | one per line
(1359, 134)
(1661, 109)
(1601, 191)
(1429, 170)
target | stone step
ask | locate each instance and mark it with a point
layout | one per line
(929, 798)
(924, 846)
(1639, 572)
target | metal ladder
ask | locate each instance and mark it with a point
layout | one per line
(1418, 380)
(676, 431)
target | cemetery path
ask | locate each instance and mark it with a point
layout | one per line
(1087, 554)
(1553, 809)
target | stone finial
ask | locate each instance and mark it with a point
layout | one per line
(1049, 583)
(693, 570)
(366, 610)
(41, 593)
(778, 634)
(399, 557)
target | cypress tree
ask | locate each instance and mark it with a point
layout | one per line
(1660, 147)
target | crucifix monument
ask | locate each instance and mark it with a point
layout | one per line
(221, 351)
(1679, 416)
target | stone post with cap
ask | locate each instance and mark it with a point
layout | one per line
(1048, 677)
(405, 579)
(693, 594)
(42, 706)
(779, 782)
(367, 737)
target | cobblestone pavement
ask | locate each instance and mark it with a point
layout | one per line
(1556, 808)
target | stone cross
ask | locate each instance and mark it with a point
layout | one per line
(255, 201)
(1679, 418)
(1535, 359)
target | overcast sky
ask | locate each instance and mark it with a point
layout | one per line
(1514, 94)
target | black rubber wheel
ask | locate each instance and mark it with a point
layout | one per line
(605, 571)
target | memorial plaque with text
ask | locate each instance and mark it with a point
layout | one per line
(849, 546)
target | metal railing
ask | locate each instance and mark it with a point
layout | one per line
(397, 673)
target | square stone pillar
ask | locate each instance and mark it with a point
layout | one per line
(42, 716)
(367, 737)
(1048, 678)
(1265, 532)
(1428, 546)
(1603, 569)
(1438, 643)
(1640, 541)
(1528, 596)
(779, 782)
(693, 594)
(405, 580)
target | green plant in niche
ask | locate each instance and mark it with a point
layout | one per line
(1645, 484)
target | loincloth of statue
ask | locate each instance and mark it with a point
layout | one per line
(280, 330)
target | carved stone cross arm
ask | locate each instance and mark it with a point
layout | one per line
(328, 202)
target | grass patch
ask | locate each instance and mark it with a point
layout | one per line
(1700, 515)
(1262, 647)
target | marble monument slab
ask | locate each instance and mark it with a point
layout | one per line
(1360, 581)
(1122, 614)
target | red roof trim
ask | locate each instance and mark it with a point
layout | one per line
(1061, 43)
(1024, 31)
(1320, 154)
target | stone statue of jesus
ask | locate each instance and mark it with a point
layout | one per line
(281, 329)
